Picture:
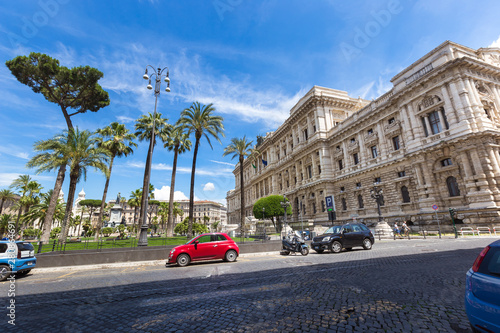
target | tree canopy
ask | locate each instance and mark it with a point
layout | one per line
(273, 208)
(71, 88)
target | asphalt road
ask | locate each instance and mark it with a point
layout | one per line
(398, 286)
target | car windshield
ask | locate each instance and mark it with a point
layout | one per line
(333, 230)
(192, 239)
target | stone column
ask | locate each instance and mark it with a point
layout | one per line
(428, 124)
(477, 106)
(441, 120)
(459, 107)
(362, 149)
(466, 165)
(384, 150)
(477, 163)
(468, 107)
(493, 159)
(417, 126)
(448, 107)
(313, 162)
(407, 120)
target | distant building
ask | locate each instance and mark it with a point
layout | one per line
(433, 139)
(213, 211)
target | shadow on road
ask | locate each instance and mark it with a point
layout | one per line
(405, 293)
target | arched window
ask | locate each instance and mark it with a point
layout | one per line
(405, 194)
(451, 182)
(344, 204)
(360, 201)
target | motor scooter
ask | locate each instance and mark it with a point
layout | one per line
(294, 242)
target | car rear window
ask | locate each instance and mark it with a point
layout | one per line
(25, 246)
(363, 227)
(491, 262)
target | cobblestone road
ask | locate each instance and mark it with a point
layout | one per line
(416, 286)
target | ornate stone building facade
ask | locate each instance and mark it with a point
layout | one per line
(433, 139)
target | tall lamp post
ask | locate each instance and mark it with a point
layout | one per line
(377, 194)
(285, 205)
(381, 228)
(158, 75)
(264, 222)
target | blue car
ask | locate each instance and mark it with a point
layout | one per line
(482, 290)
(16, 257)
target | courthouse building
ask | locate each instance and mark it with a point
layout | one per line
(433, 139)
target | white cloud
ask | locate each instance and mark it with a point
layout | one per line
(125, 119)
(219, 172)
(209, 187)
(164, 194)
(495, 43)
(7, 178)
(225, 163)
(364, 90)
(192, 80)
(13, 150)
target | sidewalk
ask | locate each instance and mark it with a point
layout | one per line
(130, 264)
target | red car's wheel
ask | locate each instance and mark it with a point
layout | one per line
(183, 260)
(231, 256)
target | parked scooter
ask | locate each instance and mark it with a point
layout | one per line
(294, 243)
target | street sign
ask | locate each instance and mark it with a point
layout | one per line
(435, 207)
(329, 202)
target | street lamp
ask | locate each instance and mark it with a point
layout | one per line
(381, 228)
(158, 75)
(377, 194)
(285, 205)
(264, 222)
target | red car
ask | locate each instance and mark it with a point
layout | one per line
(205, 247)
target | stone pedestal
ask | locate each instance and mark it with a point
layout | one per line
(383, 230)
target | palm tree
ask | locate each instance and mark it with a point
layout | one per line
(4, 222)
(29, 188)
(52, 156)
(39, 210)
(6, 195)
(240, 148)
(144, 131)
(135, 201)
(117, 139)
(177, 211)
(83, 152)
(198, 119)
(179, 142)
(162, 213)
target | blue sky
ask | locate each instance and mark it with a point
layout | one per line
(252, 59)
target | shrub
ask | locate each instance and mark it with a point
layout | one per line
(107, 231)
(30, 232)
(55, 232)
(120, 229)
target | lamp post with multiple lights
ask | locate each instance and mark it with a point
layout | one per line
(264, 222)
(158, 75)
(285, 205)
(382, 228)
(377, 194)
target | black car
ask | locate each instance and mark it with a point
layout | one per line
(344, 236)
